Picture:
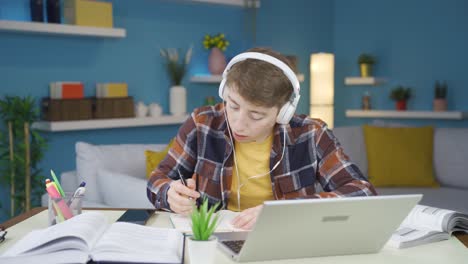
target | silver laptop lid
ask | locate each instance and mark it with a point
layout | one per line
(323, 227)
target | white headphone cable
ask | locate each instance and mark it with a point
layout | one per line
(235, 159)
(277, 163)
(239, 185)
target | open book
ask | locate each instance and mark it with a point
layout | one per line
(88, 236)
(425, 224)
(184, 223)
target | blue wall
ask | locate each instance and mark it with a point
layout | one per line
(298, 28)
(29, 61)
(415, 42)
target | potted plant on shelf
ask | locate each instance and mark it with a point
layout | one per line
(177, 68)
(400, 95)
(217, 44)
(202, 245)
(366, 61)
(440, 97)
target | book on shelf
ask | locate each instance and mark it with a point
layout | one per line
(426, 224)
(88, 13)
(111, 90)
(53, 11)
(37, 10)
(66, 90)
(184, 223)
(89, 236)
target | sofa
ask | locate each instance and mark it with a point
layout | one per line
(115, 174)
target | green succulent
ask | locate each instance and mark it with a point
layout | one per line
(440, 90)
(204, 220)
(400, 93)
(366, 58)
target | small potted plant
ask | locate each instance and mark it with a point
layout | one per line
(202, 245)
(400, 95)
(176, 68)
(365, 62)
(217, 44)
(440, 97)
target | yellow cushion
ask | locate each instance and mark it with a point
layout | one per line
(153, 158)
(400, 157)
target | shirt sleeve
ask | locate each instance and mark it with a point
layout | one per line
(183, 151)
(337, 174)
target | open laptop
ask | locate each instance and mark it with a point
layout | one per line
(319, 227)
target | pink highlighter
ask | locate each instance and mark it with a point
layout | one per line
(53, 193)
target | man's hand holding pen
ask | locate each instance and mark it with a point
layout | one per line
(182, 197)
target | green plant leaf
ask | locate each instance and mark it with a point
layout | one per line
(204, 220)
(18, 110)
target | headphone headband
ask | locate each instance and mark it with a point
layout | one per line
(263, 57)
(287, 111)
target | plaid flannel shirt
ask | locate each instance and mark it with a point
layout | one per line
(314, 164)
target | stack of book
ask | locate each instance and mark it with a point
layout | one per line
(66, 90)
(66, 102)
(112, 101)
(88, 13)
(111, 90)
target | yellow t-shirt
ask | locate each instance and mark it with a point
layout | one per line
(252, 159)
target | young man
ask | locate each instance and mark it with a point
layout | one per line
(252, 147)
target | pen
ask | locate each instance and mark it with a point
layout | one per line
(77, 194)
(58, 215)
(182, 178)
(59, 188)
(62, 206)
(49, 183)
(196, 189)
(183, 181)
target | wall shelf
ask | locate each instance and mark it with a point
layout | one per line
(60, 29)
(364, 81)
(239, 3)
(108, 123)
(452, 115)
(217, 78)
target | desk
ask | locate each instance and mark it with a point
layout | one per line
(451, 251)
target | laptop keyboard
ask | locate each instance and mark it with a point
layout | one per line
(234, 245)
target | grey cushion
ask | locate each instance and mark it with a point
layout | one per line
(451, 156)
(124, 158)
(122, 191)
(443, 197)
(351, 139)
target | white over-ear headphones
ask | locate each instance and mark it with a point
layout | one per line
(287, 110)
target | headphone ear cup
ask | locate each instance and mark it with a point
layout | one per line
(285, 114)
(221, 88)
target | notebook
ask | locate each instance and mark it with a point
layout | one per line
(319, 227)
(184, 223)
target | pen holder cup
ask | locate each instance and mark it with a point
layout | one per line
(63, 208)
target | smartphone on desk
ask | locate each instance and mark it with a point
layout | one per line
(136, 216)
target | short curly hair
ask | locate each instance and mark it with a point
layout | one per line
(259, 82)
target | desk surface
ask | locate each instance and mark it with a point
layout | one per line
(449, 251)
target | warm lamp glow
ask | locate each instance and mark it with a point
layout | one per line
(322, 67)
